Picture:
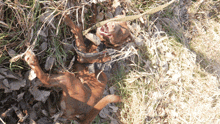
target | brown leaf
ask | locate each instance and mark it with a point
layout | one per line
(11, 53)
(44, 120)
(5, 82)
(103, 113)
(2, 86)
(33, 116)
(118, 11)
(112, 90)
(114, 108)
(45, 112)
(47, 17)
(16, 85)
(100, 16)
(42, 33)
(49, 63)
(108, 15)
(43, 46)
(114, 121)
(39, 95)
(9, 74)
(1, 77)
(20, 96)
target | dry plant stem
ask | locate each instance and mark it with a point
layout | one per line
(128, 18)
(81, 91)
(2, 121)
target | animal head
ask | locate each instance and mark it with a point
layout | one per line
(114, 33)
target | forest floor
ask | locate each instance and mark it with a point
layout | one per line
(170, 76)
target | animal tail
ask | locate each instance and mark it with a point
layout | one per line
(99, 106)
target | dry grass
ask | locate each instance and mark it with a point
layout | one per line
(169, 87)
(171, 84)
(206, 34)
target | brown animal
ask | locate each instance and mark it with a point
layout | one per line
(81, 47)
(82, 92)
(114, 33)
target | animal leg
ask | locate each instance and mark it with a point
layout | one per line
(77, 33)
(81, 45)
(46, 79)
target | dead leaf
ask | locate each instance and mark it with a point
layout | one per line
(118, 11)
(114, 108)
(108, 15)
(44, 120)
(42, 33)
(11, 53)
(20, 96)
(2, 86)
(13, 85)
(112, 90)
(5, 82)
(43, 46)
(33, 115)
(67, 47)
(114, 121)
(100, 16)
(39, 95)
(45, 112)
(9, 74)
(105, 93)
(16, 85)
(49, 63)
(37, 83)
(2, 77)
(104, 112)
(47, 17)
